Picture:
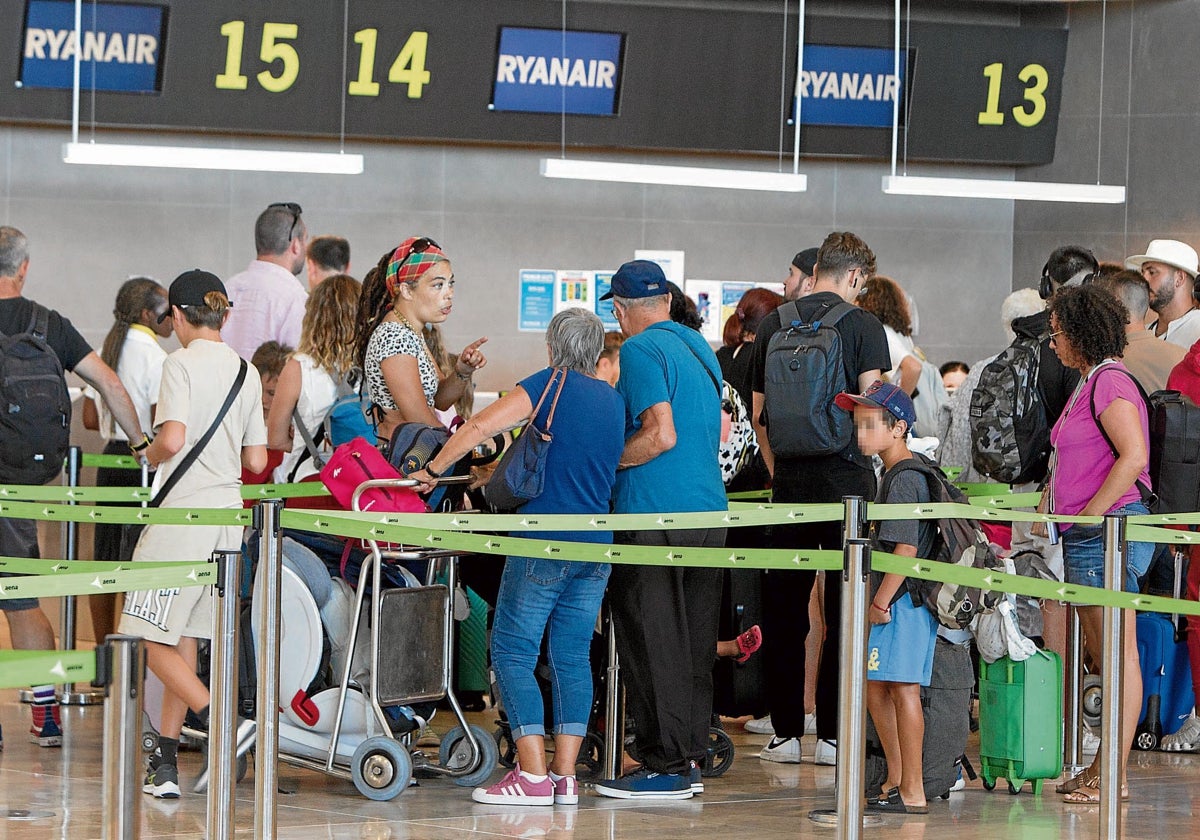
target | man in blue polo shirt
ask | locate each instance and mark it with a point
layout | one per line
(666, 616)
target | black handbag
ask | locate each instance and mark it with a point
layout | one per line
(520, 475)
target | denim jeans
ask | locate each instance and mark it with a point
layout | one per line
(557, 599)
(1083, 553)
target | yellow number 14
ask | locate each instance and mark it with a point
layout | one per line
(407, 69)
(1036, 80)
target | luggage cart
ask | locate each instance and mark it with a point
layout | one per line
(412, 638)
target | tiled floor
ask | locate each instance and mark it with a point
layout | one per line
(60, 788)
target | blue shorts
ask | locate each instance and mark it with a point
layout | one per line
(901, 651)
(18, 538)
(1083, 553)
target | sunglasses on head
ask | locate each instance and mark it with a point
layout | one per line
(293, 208)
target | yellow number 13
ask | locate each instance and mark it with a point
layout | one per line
(1036, 80)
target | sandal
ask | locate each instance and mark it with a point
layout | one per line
(892, 803)
(748, 642)
(1089, 794)
(1084, 777)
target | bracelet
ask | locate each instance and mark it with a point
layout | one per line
(464, 377)
(432, 474)
(140, 446)
(884, 610)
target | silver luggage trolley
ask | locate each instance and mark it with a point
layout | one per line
(412, 648)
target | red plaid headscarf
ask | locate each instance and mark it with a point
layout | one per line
(408, 265)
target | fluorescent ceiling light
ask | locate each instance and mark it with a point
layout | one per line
(682, 176)
(1016, 190)
(189, 157)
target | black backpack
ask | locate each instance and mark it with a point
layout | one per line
(961, 542)
(1010, 433)
(803, 374)
(1175, 452)
(35, 408)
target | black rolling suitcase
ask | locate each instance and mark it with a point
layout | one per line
(740, 688)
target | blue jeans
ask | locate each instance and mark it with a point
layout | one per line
(1083, 553)
(557, 599)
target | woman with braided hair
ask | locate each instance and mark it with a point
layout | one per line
(411, 287)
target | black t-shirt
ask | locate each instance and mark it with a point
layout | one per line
(16, 315)
(735, 369)
(864, 344)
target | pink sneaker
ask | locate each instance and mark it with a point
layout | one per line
(516, 788)
(566, 790)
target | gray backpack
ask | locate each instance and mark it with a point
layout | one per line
(804, 372)
(1010, 435)
(35, 408)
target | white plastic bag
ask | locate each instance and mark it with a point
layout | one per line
(996, 632)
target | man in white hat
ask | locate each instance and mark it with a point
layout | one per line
(1170, 268)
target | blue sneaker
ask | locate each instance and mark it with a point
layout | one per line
(695, 778)
(645, 784)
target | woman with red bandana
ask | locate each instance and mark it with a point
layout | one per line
(411, 287)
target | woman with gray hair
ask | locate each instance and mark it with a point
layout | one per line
(540, 597)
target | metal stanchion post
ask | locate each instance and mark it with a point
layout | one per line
(852, 680)
(67, 695)
(222, 711)
(266, 765)
(1110, 669)
(120, 667)
(614, 711)
(1072, 671)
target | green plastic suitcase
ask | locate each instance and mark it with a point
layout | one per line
(1021, 721)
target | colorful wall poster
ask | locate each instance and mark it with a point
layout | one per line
(536, 306)
(671, 262)
(707, 296)
(604, 308)
(575, 287)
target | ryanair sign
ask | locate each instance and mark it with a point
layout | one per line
(120, 48)
(851, 86)
(549, 71)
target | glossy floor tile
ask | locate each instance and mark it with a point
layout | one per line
(56, 793)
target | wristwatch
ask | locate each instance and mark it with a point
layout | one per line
(139, 447)
(431, 472)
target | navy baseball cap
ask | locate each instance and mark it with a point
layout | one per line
(806, 261)
(883, 395)
(638, 279)
(189, 289)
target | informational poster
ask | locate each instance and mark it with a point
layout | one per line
(576, 288)
(731, 294)
(707, 295)
(671, 262)
(537, 299)
(604, 308)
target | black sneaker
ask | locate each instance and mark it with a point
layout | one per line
(162, 780)
(245, 740)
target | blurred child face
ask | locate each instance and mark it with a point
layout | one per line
(268, 392)
(953, 379)
(874, 436)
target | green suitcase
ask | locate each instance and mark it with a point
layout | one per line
(1021, 721)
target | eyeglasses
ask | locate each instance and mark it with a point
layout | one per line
(1054, 336)
(293, 208)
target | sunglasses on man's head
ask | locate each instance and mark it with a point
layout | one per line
(293, 208)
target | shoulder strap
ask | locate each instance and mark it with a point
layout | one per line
(794, 308)
(191, 457)
(39, 324)
(310, 444)
(549, 384)
(1148, 495)
(836, 313)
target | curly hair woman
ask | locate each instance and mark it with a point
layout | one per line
(883, 298)
(1099, 466)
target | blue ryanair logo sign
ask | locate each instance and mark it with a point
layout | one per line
(120, 48)
(851, 86)
(549, 71)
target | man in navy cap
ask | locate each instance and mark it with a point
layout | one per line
(666, 616)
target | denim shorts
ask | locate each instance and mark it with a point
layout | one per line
(1083, 553)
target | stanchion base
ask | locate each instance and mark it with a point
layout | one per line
(829, 816)
(22, 815)
(25, 695)
(80, 698)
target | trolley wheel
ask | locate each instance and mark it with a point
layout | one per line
(506, 747)
(1145, 739)
(988, 783)
(381, 768)
(149, 742)
(1014, 789)
(1091, 700)
(719, 757)
(455, 754)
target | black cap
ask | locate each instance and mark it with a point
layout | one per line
(806, 261)
(189, 289)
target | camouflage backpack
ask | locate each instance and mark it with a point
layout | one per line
(1010, 436)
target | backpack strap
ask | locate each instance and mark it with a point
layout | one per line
(716, 382)
(834, 314)
(1149, 497)
(311, 449)
(39, 323)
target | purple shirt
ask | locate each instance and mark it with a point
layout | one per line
(268, 305)
(1083, 456)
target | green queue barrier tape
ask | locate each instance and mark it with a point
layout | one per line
(748, 495)
(118, 462)
(51, 493)
(953, 510)
(1006, 500)
(26, 566)
(126, 515)
(94, 582)
(23, 668)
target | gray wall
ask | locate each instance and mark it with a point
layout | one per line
(91, 227)
(1147, 126)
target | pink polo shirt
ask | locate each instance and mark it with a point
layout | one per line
(1083, 457)
(268, 305)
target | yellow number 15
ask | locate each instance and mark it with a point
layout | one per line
(1036, 80)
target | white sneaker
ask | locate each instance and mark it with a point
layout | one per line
(782, 751)
(1187, 739)
(826, 754)
(761, 726)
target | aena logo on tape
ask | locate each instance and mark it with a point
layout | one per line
(853, 86)
(549, 71)
(120, 48)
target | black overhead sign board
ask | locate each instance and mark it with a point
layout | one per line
(691, 79)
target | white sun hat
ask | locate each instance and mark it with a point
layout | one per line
(1170, 252)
